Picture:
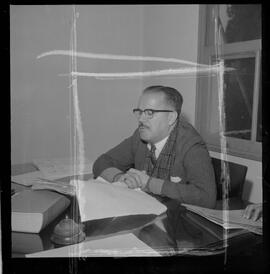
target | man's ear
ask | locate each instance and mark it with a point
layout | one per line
(172, 117)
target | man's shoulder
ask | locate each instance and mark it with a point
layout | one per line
(187, 133)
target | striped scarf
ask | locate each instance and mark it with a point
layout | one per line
(165, 160)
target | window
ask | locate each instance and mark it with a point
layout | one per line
(240, 48)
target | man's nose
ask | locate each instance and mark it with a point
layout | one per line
(142, 117)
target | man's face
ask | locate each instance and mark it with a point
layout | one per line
(158, 127)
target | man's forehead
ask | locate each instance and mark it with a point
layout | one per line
(152, 99)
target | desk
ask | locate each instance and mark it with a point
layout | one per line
(176, 232)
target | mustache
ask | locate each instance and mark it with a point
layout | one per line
(142, 125)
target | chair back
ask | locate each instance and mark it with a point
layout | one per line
(237, 175)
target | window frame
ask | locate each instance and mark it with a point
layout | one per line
(250, 149)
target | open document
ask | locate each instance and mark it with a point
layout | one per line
(98, 200)
(228, 219)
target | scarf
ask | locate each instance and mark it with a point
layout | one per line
(165, 161)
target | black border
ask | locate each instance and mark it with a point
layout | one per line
(131, 265)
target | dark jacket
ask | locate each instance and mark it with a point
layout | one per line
(192, 176)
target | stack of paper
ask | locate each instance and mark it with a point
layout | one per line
(61, 187)
(36, 180)
(68, 188)
(229, 219)
(62, 167)
(125, 245)
(27, 179)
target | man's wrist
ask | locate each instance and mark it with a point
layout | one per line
(109, 173)
(154, 185)
(146, 187)
(117, 176)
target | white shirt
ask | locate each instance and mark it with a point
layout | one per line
(159, 146)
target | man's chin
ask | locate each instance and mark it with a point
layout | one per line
(144, 137)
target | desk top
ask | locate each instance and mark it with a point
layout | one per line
(178, 231)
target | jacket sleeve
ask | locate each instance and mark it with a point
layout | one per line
(198, 187)
(119, 158)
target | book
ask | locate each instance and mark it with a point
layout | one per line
(31, 211)
(25, 243)
(228, 219)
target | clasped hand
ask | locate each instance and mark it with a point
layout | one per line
(134, 178)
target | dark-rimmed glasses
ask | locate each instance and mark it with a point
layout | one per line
(149, 113)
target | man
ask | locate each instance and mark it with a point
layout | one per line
(164, 156)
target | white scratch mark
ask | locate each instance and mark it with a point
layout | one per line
(128, 75)
(196, 69)
(119, 57)
(78, 138)
(225, 176)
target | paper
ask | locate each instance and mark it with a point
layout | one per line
(98, 200)
(61, 167)
(122, 184)
(125, 245)
(27, 179)
(228, 219)
(61, 187)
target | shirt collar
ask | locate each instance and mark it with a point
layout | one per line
(159, 146)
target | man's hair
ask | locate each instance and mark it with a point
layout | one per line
(172, 95)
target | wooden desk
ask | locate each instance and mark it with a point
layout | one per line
(176, 232)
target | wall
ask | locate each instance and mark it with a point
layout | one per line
(40, 101)
(172, 31)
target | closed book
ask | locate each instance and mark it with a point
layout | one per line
(24, 243)
(33, 210)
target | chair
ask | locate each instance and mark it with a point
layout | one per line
(237, 175)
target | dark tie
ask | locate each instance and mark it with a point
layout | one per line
(152, 155)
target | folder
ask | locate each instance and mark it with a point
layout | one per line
(228, 219)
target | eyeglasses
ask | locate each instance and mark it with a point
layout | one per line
(149, 113)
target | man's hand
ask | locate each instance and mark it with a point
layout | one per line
(133, 178)
(140, 176)
(129, 179)
(253, 211)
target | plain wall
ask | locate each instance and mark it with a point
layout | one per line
(172, 31)
(40, 100)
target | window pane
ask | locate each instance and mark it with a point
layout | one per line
(237, 22)
(241, 47)
(238, 97)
